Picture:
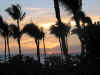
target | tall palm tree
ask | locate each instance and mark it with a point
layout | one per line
(57, 10)
(33, 31)
(2, 34)
(14, 32)
(43, 38)
(4, 31)
(82, 34)
(62, 39)
(7, 38)
(61, 31)
(16, 13)
(75, 7)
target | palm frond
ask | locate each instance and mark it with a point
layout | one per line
(14, 31)
(11, 12)
(4, 31)
(23, 16)
(41, 35)
(77, 31)
(72, 5)
(33, 31)
(59, 29)
(15, 12)
(1, 20)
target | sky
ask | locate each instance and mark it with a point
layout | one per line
(41, 12)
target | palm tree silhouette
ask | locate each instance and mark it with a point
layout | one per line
(75, 7)
(92, 41)
(87, 20)
(16, 13)
(15, 32)
(61, 30)
(57, 10)
(82, 34)
(43, 38)
(4, 31)
(33, 31)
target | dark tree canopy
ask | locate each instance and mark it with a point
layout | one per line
(72, 5)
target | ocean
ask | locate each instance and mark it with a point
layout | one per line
(34, 56)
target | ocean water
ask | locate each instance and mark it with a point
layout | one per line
(34, 56)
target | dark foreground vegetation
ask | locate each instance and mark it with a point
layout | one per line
(54, 65)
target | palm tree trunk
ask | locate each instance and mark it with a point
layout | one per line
(82, 50)
(8, 48)
(64, 48)
(44, 51)
(61, 49)
(18, 40)
(20, 53)
(5, 50)
(57, 10)
(66, 42)
(63, 43)
(18, 25)
(77, 21)
(38, 50)
(60, 44)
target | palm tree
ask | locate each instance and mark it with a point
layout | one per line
(87, 20)
(81, 32)
(62, 39)
(15, 33)
(57, 10)
(61, 31)
(4, 31)
(75, 7)
(81, 35)
(33, 31)
(43, 38)
(16, 13)
(2, 34)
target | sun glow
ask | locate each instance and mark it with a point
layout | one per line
(46, 26)
(73, 23)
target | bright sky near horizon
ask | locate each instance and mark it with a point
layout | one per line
(42, 13)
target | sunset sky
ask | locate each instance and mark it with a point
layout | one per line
(41, 12)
